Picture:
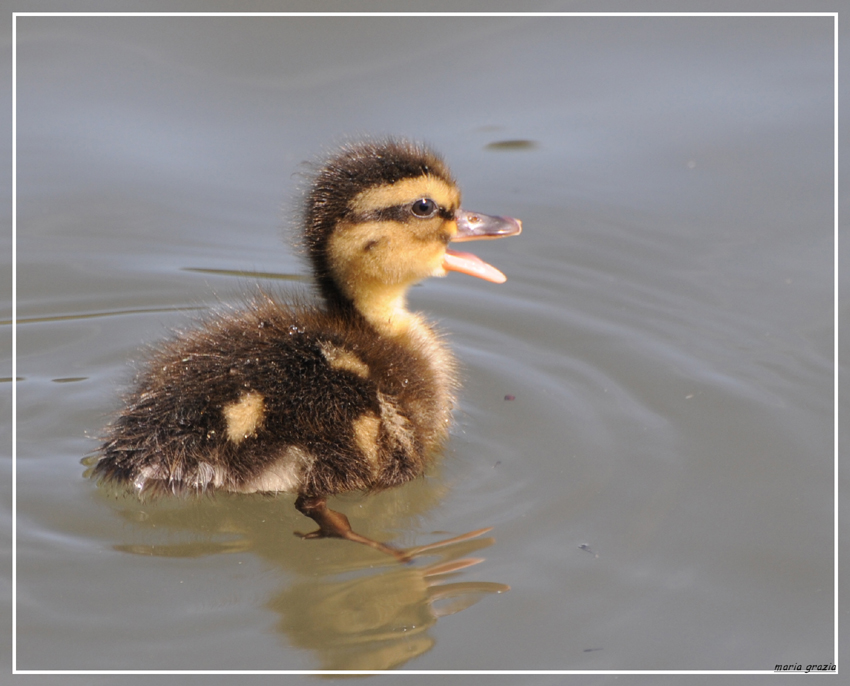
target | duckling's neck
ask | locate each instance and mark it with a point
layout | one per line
(384, 307)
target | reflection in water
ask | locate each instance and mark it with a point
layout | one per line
(512, 144)
(381, 620)
(356, 608)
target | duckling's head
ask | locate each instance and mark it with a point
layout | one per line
(379, 218)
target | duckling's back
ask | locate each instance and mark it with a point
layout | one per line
(276, 399)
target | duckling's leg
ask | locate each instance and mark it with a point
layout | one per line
(334, 524)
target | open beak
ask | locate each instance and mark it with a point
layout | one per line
(472, 226)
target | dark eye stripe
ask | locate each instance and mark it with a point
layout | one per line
(397, 213)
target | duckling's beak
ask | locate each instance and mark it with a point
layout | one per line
(473, 226)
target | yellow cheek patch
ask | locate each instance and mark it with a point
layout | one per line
(244, 416)
(385, 253)
(405, 191)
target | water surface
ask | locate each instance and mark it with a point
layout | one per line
(646, 422)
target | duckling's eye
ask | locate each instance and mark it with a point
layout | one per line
(424, 208)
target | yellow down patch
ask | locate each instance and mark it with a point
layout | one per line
(244, 416)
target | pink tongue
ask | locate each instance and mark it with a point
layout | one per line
(467, 263)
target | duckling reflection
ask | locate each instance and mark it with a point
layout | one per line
(381, 621)
(353, 393)
(351, 608)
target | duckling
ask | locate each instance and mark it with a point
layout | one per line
(352, 392)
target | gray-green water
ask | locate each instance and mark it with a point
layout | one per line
(660, 484)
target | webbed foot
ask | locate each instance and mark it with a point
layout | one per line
(333, 524)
